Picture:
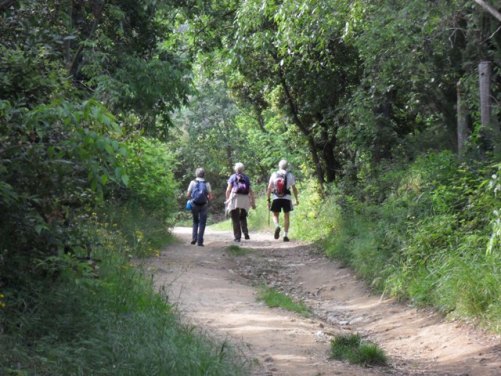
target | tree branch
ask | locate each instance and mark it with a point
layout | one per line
(74, 67)
(299, 123)
(5, 4)
(493, 11)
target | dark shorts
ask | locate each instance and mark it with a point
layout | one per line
(281, 203)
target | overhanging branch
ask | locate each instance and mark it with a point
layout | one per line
(493, 11)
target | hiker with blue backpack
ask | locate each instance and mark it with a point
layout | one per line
(239, 198)
(199, 194)
(280, 197)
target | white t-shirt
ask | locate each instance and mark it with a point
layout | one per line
(291, 180)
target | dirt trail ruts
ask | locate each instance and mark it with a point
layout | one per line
(216, 291)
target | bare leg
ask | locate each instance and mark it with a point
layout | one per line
(286, 222)
(275, 218)
(276, 234)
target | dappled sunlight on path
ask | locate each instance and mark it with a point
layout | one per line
(216, 291)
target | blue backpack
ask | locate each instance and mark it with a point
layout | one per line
(199, 193)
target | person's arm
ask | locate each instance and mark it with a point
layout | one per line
(210, 196)
(188, 192)
(228, 191)
(268, 192)
(294, 190)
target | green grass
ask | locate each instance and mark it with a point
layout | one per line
(422, 233)
(257, 219)
(145, 234)
(116, 325)
(236, 250)
(104, 319)
(351, 348)
(275, 299)
(222, 226)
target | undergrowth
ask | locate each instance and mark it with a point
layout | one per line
(103, 317)
(429, 233)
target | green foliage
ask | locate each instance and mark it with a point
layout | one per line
(151, 89)
(495, 239)
(350, 347)
(347, 91)
(144, 232)
(316, 215)
(379, 68)
(274, 299)
(103, 317)
(113, 51)
(260, 218)
(210, 121)
(423, 233)
(58, 161)
(149, 167)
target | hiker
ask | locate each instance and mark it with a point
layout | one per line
(199, 193)
(239, 197)
(280, 185)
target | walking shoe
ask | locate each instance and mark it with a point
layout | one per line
(247, 237)
(277, 232)
(286, 239)
(236, 240)
(193, 241)
(200, 244)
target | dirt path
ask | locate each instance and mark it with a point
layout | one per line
(216, 291)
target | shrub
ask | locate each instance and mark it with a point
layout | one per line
(351, 348)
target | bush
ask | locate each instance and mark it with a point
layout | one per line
(149, 167)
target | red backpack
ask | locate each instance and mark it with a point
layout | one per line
(280, 184)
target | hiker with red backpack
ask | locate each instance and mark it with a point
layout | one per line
(239, 198)
(280, 185)
(199, 194)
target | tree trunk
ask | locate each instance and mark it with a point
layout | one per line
(462, 123)
(319, 171)
(331, 163)
(484, 71)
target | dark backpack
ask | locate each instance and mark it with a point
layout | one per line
(199, 193)
(241, 184)
(280, 184)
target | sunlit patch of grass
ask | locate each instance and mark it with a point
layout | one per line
(236, 250)
(352, 349)
(221, 226)
(274, 299)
